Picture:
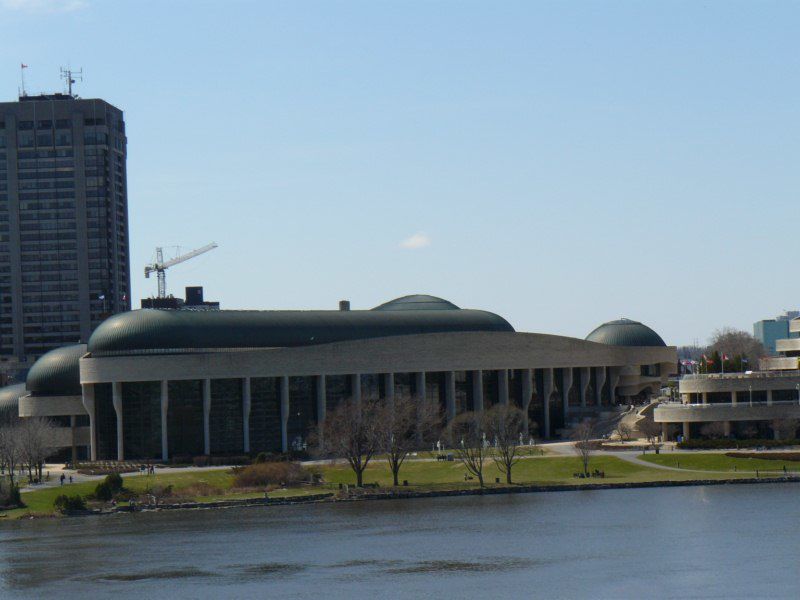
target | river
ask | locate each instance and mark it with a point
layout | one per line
(712, 542)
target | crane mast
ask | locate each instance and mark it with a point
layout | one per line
(160, 266)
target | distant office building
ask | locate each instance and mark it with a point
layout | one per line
(64, 245)
(769, 331)
(194, 301)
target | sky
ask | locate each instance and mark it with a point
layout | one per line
(560, 164)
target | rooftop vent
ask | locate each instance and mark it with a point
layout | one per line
(344, 304)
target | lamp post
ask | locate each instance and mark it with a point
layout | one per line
(750, 387)
(798, 392)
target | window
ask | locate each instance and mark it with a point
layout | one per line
(25, 125)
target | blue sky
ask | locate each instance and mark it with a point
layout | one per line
(560, 164)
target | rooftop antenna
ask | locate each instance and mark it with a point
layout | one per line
(71, 77)
(22, 67)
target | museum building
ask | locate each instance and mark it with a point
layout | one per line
(161, 384)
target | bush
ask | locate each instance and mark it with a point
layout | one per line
(725, 443)
(10, 496)
(114, 481)
(270, 473)
(790, 456)
(64, 503)
(260, 458)
(103, 492)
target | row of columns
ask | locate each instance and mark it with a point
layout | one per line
(321, 402)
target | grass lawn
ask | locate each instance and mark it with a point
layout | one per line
(211, 484)
(720, 462)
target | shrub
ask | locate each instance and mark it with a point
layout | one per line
(64, 503)
(260, 458)
(103, 492)
(114, 481)
(790, 456)
(10, 496)
(725, 443)
(270, 473)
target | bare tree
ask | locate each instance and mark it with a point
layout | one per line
(468, 439)
(650, 430)
(583, 434)
(406, 424)
(36, 439)
(786, 428)
(734, 342)
(506, 425)
(10, 450)
(624, 430)
(350, 431)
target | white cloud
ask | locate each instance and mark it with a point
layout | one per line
(43, 6)
(418, 240)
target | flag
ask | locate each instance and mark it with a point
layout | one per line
(725, 356)
(23, 66)
(707, 360)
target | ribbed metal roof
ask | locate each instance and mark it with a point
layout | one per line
(164, 330)
(57, 373)
(417, 302)
(625, 332)
(9, 402)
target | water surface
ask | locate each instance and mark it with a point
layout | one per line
(693, 542)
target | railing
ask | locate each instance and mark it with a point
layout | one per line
(743, 403)
(753, 375)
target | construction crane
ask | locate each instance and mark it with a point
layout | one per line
(160, 266)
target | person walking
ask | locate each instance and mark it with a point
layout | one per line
(62, 479)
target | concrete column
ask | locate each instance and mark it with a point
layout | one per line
(769, 397)
(322, 398)
(164, 421)
(207, 416)
(665, 432)
(726, 428)
(686, 431)
(565, 391)
(419, 383)
(705, 398)
(477, 391)
(450, 394)
(73, 424)
(246, 403)
(547, 389)
(285, 413)
(527, 392)
(502, 386)
(388, 388)
(601, 381)
(88, 404)
(613, 380)
(355, 386)
(116, 397)
(586, 379)
(734, 398)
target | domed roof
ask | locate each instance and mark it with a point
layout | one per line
(57, 373)
(9, 402)
(417, 302)
(151, 331)
(625, 332)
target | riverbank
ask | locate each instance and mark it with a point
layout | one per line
(214, 487)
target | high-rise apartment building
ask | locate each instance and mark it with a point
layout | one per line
(64, 247)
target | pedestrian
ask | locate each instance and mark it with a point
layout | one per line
(62, 479)
(70, 478)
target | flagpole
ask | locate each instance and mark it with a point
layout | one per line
(22, 67)
(722, 360)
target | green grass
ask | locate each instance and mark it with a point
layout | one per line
(719, 462)
(211, 484)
